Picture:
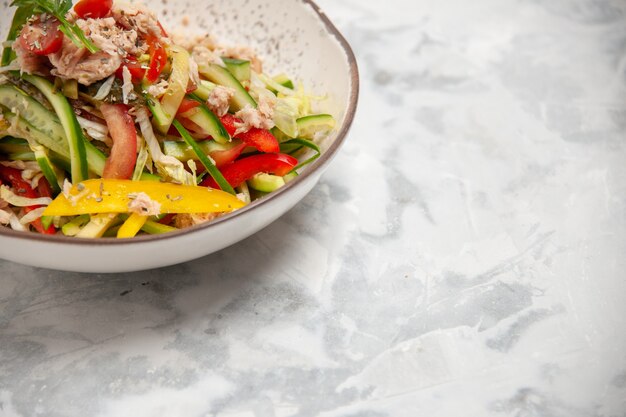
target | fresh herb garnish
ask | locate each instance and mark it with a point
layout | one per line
(58, 9)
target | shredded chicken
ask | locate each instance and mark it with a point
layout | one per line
(142, 204)
(73, 62)
(115, 43)
(261, 117)
(245, 53)
(29, 63)
(157, 90)
(190, 42)
(137, 17)
(204, 56)
(127, 88)
(219, 100)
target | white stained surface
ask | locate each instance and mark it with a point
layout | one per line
(462, 256)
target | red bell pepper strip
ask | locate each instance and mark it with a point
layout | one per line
(121, 163)
(22, 188)
(94, 9)
(260, 139)
(244, 169)
(158, 59)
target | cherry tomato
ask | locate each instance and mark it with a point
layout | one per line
(94, 9)
(158, 59)
(137, 72)
(41, 37)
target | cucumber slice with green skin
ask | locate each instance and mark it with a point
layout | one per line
(97, 226)
(183, 152)
(159, 116)
(240, 68)
(291, 176)
(155, 228)
(10, 144)
(44, 127)
(204, 89)
(47, 169)
(208, 163)
(209, 122)
(221, 76)
(146, 176)
(73, 132)
(309, 125)
(266, 182)
(22, 156)
(284, 80)
(177, 86)
(72, 227)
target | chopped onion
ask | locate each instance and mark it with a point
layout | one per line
(31, 216)
(10, 197)
(105, 89)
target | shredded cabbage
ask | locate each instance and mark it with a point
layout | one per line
(10, 197)
(167, 166)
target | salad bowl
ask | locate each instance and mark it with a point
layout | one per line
(291, 36)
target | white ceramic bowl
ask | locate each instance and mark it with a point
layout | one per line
(291, 36)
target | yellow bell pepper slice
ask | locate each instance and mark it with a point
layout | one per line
(114, 196)
(131, 226)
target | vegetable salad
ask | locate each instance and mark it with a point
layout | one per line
(112, 127)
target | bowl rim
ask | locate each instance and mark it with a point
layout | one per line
(320, 163)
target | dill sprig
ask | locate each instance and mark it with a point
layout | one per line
(58, 9)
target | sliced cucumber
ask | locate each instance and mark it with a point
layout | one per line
(72, 228)
(221, 76)
(209, 122)
(54, 139)
(22, 156)
(308, 126)
(266, 182)
(177, 86)
(154, 228)
(10, 144)
(204, 159)
(73, 132)
(145, 176)
(183, 152)
(47, 169)
(159, 116)
(98, 224)
(240, 68)
(284, 80)
(204, 89)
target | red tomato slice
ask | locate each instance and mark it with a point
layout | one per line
(223, 158)
(41, 37)
(158, 59)
(245, 168)
(137, 72)
(263, 140)
(94, 9)
(187, 104)
(121, 163)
